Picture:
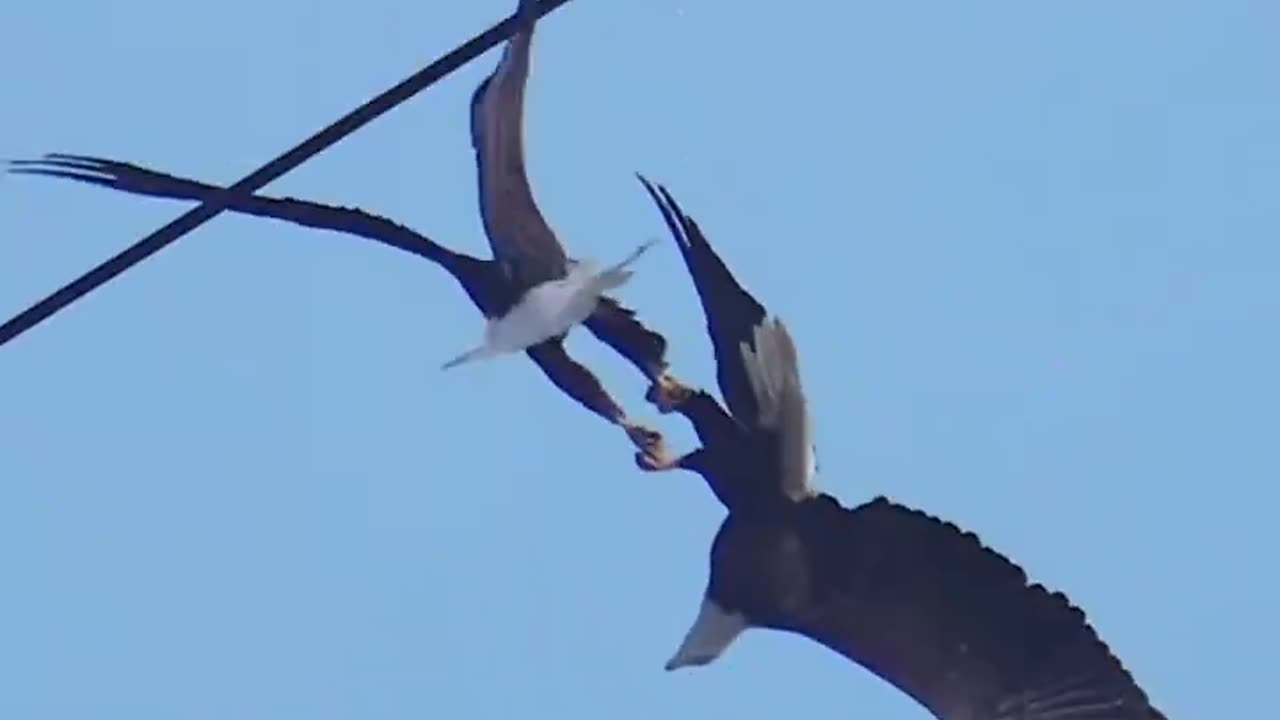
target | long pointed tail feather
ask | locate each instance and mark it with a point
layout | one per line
(480, 353)
(618, 275)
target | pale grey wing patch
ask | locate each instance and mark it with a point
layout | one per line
(522, 241)
(756, 363)
(799, 458)
(773, 371)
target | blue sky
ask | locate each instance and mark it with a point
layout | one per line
(1028, 251)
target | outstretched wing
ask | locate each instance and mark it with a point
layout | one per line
(732, 314)
(479, 278)
(523, 244)
(955, 624)
(137, 180)
(574, 379)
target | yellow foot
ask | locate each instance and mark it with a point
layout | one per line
(667, 394)
(654, 461)
(652, 449)
(642, 437)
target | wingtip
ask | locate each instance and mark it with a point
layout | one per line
(49, 162)
(17, 164)
(69, 157)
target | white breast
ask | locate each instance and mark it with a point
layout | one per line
(547, 310)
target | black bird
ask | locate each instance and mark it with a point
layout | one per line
(530, 266)
(483, 281)
(554, 293)
(911, 598)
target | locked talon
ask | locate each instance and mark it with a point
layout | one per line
(667, 394)
(642, 437)
(653, 461)
(644, 462)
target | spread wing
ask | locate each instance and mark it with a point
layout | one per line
(574, 379)
(732, 313)
(757, 367)
(955, 624)
(137, 180)
(481, 279)
(523, 244)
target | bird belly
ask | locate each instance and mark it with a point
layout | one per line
(547, 310)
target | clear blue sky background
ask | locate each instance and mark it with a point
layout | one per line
(1029, 251)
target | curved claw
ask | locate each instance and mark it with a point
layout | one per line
(642, 437)
(651, 450)
(654, 463)
(667, 394)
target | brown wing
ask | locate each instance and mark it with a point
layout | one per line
(954, 624)
(574, 379)
(480, 279)
(522, 242)
(617, 327)
(138, 180)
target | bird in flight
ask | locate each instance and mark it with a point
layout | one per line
(913, 599)
(526, 253)
(281, 164)
(554, 292)
(482, 280)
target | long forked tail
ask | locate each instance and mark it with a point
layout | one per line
(480, 353)
(617, 275)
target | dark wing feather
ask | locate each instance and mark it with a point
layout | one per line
(716, 429)
(954, 624)
(617, 327)
(574, 380)
(724, 460)
(522, 242)
(732, 313)
(138, 180)
(479, 278)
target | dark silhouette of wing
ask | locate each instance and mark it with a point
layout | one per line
(523, 244)
(481, 279)
(138, 180)
(953, 623)
(758, 371)
(732, 313)
(616, 326)
(575, 380)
